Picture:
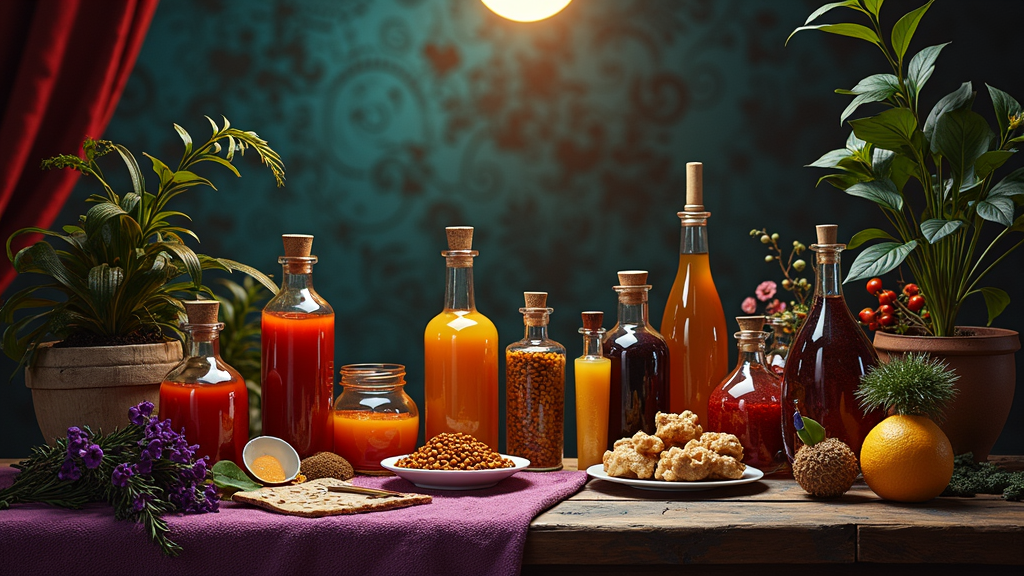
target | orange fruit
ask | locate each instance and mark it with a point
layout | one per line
(907, 459)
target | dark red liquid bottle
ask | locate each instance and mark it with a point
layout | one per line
(639, 357)
(748, 402)
(827, 359)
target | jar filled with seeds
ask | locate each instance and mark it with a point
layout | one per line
(535, 390)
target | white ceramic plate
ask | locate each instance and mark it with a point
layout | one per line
(751, 474)
(455, 479)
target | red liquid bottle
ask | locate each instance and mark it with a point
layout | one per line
(639, 355)
(298, 356)
(827, 359)
(748, 403)
(204, 395)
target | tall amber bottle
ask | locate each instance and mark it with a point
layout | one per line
(694, 323)
(461, 353)
(298, 356)
(828, 356)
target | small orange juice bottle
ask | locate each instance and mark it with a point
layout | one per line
(593, 387)
(461, 353)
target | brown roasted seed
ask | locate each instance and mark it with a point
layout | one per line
(454, 451)
(535, 406)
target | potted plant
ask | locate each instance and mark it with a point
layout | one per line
(945, 163)
(97, 336)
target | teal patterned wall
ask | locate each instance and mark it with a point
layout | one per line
(563, 142)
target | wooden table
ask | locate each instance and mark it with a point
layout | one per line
(772, 527)
(759, 528)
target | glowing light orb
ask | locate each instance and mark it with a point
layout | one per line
(526, 10)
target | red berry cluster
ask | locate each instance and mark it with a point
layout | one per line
(896, 312)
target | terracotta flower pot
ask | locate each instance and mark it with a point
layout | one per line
(95, 386)
(987, 372)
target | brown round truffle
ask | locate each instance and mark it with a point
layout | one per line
(827, 469)
(326, 465)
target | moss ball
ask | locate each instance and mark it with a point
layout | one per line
(827, 469)
(326, 465)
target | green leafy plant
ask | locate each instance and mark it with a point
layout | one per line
(951, 153)
(240, 339)
(119, 274)
(915, 384)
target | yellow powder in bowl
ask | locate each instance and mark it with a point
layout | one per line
(268, 469)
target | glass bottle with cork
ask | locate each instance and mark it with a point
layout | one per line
(461, 353)
(782, 339)
(535, 390)
(694, 323)
(748, 402)
(639, 362)
(203, 394)
(593, 381)
(828, 356)
(374, 418)
(298, 355)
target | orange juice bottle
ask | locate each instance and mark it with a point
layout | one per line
(593, 387)
(694, 322)
(461, 353)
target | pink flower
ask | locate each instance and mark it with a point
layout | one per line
(749, 305)
(765, 290)
(775, 306)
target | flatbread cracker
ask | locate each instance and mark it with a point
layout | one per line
(312, 500)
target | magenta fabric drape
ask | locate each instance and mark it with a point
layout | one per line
(63, 66)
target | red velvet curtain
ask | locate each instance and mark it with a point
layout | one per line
(63, 65)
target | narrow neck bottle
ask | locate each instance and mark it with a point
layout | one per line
(458, 286)
(751, 347)
(536, 325)
(632, 305)
(202, 340)
(694, 237)
(592, 343)
(829, 275)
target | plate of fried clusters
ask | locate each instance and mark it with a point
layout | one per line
(454, 461)
(679, 456)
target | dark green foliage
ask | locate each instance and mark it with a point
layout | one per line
(915, 384)
(970, 478)
(124, 267)
(240, 339)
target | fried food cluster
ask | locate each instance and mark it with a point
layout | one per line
(679, 451)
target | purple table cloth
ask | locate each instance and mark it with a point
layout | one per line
(471, 532)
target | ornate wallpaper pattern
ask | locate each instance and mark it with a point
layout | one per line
(563, 142)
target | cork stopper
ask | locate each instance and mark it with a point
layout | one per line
(751, 323)
(460, 247)
(827, 233)
(297, 245)
(592, 320)
(536, 299)
(828, 247)
(459, 237)
(202, 311)
(694, 187)
(632, 286)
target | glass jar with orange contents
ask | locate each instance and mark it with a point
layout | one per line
(374, 418)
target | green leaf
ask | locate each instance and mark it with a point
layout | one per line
(961, 136)
(891, 129)
(923, 64)
(865, 98)
(866, 235)
(847, 3)
(830, 159)
(882, 192)
(42, 258)
(936, 229)
(881, 162)
(840, 181)
(903, 167)
(231, 265)
(879, 259)
(996, 209)
(1018, 224)
(104, 283)
(854, 144)
(877, 82)
(162, 171)
(904, 30)
(185, 137)
(99, 214)
(227, 475)
(996, 301)
(960, 98)
(187, 257)
(138, 181)
(990, 161)
(812, 432)
(844, 29)
(873, 6)
(1012, 185)
(1005, 106)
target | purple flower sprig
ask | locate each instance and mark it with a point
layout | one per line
(144, 470)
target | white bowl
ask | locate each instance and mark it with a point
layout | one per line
(272, 446)
(455, 479)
